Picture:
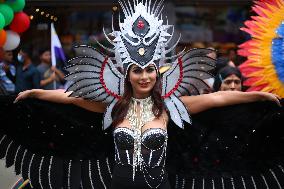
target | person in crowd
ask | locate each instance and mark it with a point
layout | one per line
(228, 79)
(220, 63)
(51, 76)
(234, 57)
(27, 76)
(7, 73)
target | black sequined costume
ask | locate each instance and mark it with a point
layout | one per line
(152, 174)
(63, 146)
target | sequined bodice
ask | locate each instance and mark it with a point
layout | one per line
(153, 144)
(144, 151)
(150, 161)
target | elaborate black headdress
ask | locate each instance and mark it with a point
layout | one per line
(143, 38)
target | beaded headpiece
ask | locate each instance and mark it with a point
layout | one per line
(143, 39)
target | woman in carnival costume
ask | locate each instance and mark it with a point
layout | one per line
(138, 102)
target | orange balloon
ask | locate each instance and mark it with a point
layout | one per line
(3, 37)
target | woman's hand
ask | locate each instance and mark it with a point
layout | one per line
(24, 95)
(270, 96)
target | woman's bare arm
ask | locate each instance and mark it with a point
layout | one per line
(59, 96)
(204, 102)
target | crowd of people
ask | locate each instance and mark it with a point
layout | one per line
(19, 73)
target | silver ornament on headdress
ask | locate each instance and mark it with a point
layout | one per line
(143, 39)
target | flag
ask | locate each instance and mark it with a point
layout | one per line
(56, 48)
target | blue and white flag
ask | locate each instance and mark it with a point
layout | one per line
(56, 48)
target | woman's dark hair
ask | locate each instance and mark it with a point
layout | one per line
(27, 50)
(223, 74)
(43, 50)
(120, 109)
(221, 62)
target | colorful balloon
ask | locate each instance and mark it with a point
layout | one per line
(20, 23)
(7, 12)
(12, 41)
(16, 5)
(3, 37)
(2, 21)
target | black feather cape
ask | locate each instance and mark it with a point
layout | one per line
(64, 146)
